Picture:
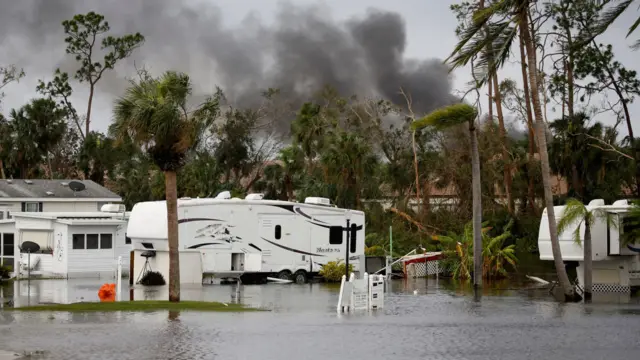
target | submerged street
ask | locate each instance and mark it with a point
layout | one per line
(440, 321)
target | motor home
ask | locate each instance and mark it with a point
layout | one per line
(616, 260)
(250, 238)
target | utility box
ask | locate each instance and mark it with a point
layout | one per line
(376, 291)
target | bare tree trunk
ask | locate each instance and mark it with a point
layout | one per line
(171, 194)
(415, 166)
(2, 175)
(88, 121)
(527, 99)
(477, 207)
(588, 260)
(563, 278)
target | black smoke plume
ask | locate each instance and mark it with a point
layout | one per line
(299, 53)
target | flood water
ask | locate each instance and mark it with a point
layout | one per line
(440, 321)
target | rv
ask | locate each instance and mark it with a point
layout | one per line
(250, 238)
(616, 262)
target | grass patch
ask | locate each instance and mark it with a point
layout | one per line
(151, 305)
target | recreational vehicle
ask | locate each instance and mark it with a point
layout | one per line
(616, 261)
(250, 238)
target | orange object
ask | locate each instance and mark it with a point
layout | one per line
(107, 293)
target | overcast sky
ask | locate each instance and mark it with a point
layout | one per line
(207, 42)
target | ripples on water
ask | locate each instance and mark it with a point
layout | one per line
(439, 322)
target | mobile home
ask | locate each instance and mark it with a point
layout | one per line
(616, 262)
(249, 238)
(72, 244)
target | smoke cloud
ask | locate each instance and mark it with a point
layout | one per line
(299, 53)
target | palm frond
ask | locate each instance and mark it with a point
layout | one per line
(574, 211)
(606, 19)
(446, 117)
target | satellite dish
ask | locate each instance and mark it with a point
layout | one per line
(76, 186)
(30, 247)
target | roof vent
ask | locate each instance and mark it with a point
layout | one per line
(225, 195)
(596, 202)
(10, 181)
(49, 193)
(623, 202)
(254, 197)
(317, 201)
(29, 182)
(64, 183)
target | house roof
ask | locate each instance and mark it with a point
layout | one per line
(53, 189)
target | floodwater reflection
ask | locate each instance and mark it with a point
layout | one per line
(422, 318)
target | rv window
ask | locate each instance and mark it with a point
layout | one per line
(353, 238)
(106, 241)
(92, 241)
(78, 242)
(127, 240)
(278, 232)
(335, 235)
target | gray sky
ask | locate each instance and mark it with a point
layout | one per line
(226, 43)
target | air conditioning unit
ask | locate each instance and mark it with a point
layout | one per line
(226, 195)
(113, 208)
(254, 197)
(317, 201)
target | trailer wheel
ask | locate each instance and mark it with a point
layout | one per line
(300, 277)
(284, 275)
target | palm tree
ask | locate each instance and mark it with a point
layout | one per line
(499, 25)
(455, 115)
(153, 113)
(609, 16)
(576, 212)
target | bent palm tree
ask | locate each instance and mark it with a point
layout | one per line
(455, 115)
(576, 212)
(153, 112)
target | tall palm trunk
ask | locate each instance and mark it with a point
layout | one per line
(477, 206)
(563, 278)
(527, 99)
(172, 235)
(588, 260)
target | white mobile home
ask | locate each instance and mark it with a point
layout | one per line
(73, 244)
(44, 196)
(251, 237)
(616, 264)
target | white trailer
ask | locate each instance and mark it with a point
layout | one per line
(251, 237)
(616, 264)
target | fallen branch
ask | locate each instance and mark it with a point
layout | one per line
(407, 217)
(609, 147)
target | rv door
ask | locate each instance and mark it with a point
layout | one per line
(277, 237)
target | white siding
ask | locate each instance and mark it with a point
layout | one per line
(60, 249)
(121, 248)
(68, 206)
(90, 263)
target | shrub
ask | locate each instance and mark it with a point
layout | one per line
(5, 271)
(333, 271)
